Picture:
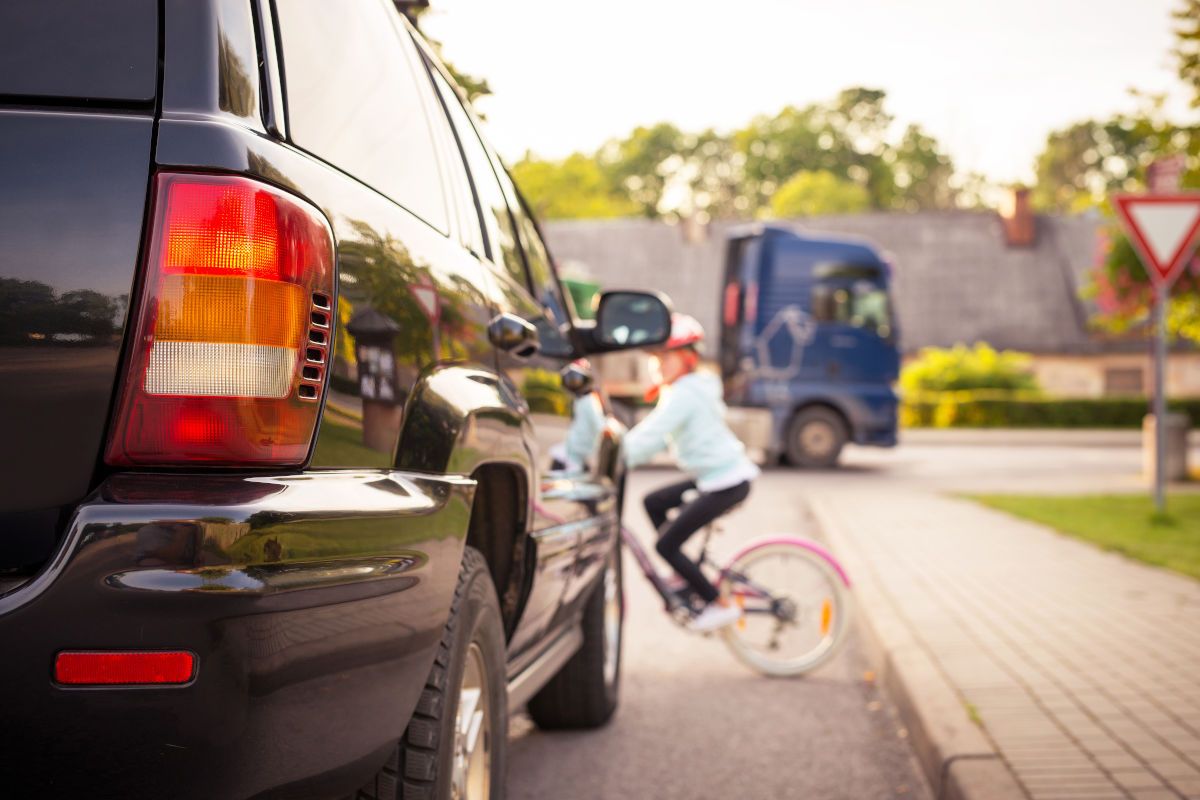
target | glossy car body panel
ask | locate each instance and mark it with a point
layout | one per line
(73, 186)
(213, 63)
(79, 52)
(313, 603)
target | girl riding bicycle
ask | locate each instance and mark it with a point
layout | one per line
(689, 418)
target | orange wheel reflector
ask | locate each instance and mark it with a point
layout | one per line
(826, 616)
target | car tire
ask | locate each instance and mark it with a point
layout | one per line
(585, 692)
(815, 438)
(430, 761)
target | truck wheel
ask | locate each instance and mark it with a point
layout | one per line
(584, 693)
(455, 747)
(815, 438)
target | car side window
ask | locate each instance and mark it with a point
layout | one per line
(545, 289)
(497, 222)
(470, 223)
(355, 99)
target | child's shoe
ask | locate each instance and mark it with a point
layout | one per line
(715, 616)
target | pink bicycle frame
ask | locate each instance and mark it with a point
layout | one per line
(667, 593)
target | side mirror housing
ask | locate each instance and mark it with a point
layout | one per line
(626, 320)
(577, 379)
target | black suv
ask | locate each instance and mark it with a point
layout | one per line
(283, 356)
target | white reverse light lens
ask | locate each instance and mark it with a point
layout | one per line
(222, 369)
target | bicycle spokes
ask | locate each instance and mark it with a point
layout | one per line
(794, 604)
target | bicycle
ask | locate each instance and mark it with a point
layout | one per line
(785, 586)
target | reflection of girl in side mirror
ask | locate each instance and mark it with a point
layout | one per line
(587, 419)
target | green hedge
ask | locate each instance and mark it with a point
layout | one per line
(984, 409)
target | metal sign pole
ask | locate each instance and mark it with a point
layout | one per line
(1160, 395)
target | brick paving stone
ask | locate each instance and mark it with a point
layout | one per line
(1086, 793)
(1137, 779)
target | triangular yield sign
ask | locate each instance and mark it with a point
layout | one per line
(1163, 229)
(427, 298)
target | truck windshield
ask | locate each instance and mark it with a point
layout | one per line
(860, 304)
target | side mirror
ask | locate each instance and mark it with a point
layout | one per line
(625, 320)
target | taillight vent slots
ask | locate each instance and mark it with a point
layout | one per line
(318, 348)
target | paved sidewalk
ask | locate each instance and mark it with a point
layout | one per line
(1023, 437)
(1036, 665)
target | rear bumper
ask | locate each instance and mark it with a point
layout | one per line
(314, 604)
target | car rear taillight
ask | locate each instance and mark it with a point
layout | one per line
(232, 330)
(123, 668)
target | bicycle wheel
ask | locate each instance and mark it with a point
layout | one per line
(796, 603)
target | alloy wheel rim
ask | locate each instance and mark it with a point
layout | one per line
(472, 768)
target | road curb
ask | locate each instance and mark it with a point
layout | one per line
(959, 761)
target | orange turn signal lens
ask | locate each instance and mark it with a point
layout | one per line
(216, 308)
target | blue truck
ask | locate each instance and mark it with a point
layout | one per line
(809, 347)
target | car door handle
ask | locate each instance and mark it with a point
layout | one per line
(515, 335)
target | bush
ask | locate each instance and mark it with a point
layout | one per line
(992, 409)
(962, 368)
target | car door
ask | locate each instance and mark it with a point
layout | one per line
(531, 378)
(587, 495)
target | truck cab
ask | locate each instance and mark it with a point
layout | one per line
(809, 346)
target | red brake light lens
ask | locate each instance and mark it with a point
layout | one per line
(228, 360)
(102, 668)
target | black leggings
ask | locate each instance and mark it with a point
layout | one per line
(691, 518)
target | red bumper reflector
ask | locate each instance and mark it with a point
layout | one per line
(93, 668)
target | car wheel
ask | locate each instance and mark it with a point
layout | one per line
(456, 743)
(584, 693)
(815, 438)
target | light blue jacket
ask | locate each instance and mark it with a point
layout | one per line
(587, 423)
(690, 420)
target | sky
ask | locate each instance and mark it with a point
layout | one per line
(988, 78)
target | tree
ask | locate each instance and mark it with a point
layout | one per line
(774, 148)
(660, 171)
(848, 137)
(923, 175)
(1187, 46)
(574, 188)
(638, 164)
(810, 193)
(1122, 293)
(709, 182)
(1084, 163)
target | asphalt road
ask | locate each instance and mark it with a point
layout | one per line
(693, 723)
